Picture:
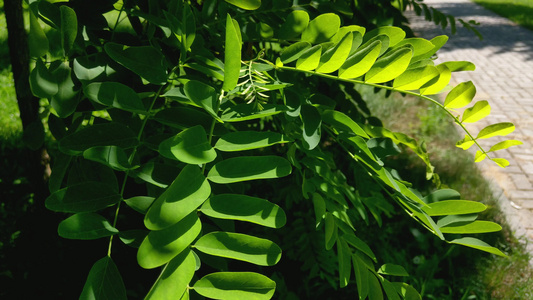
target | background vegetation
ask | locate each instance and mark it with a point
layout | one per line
(518, 11)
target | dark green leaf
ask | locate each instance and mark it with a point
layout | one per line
(104, 282)
(160, 175)
(238, 246)
(37, 41)
(133, 238)
(312, 123)
(106, 134)
(361, 276)
(245, 168)
(140, 203)
(344, 255)
(116, 95)
(294, 25)
(83, 197)
(145, 61)
(85, 226)
(43, 84)
(66, 99)
(392, 269)
(245, 112)
(245, 208)
(183, 196)
(111, 156)
(477, 244)
(69, 28)
(203, 95)
(330, 231)
(246, 140)
(235, 286)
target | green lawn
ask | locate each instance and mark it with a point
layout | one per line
(518, 11)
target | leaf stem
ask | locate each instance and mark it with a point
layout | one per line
(130, 160)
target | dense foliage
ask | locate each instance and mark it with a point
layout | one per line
(208, 136)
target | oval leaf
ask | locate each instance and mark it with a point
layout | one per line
(232, 54)
(107, 134)
(160, 246)
(473, 227)
(144, 61)
(246, 140)
(477, 244)
(414, 79)
(238, 246)
(420, 47)
(294, 25)
(104, 282)
(453, 207)
(342, 123)
(37, 40)
(245, 208)
(310, 59)
(440, 84)
(335, 57)
(140, 203)
(461, 95)
(392, 269)
(361, 61)
(246, 4)
(389, 66)
(249, 168)
(500, 129)
(69, 28)
(477, 112)
(183, 196)
(312, 123)
(111, 156)
(294, 51)
(395, 34)
(189, 146)
(116, 95)
(504, 145)
(174, 278)
(85, 226)
(83, 197)
(457, 66)
(321, 28)
(202, 95)
(235, 286)
(245, 112)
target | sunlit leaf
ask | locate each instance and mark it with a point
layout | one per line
(389, 66)
(461, 95)
(453, 207)
(473, 227)
(420, 47)
(361, 61)
(189, 146)
(414, 79)
(310, 59)
(244, 208)
(465, 143)
(477, 112)
(294, 52)
(239, 246)
(502, 162)
(499, 129)
(321, 28)
(175, 277)
(188, 191)
(235, 286)
(456, 66)
(203, 95)
(395, 34)
(246, 4)
(505, 144)
(232, 54)
(477, 244)
(334, 58)
(245, 168)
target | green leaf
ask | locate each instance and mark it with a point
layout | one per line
(116, 95)
(246, 112)
(183, 117)
(334, 58)
(43, 83)
(295, 23)
(106, 134)
(477, 112)
(406, 291)
(189, 146)
(238, 246)
(321, 28)
(69, 28)
(188, 191)
(90, 68)
(390, 290)
(104, 282)
(473, 227)
(465, 143)
(502, 162)
(461, 95)
(499, 129)
(456, 219)
(437, 42)
(175, 277)
(312, 123)
(414, 79)
(33, 135)
(480, 156)
(133, 238)
(85, 226)
(331, 230)
(235, 286)
(477, 244)
(245, 168)
(246, 4)
(395, 34)
(441, 195)
(453, 207)
(457, 66)
(344, 255)
(66, 99)
(361, 61)
(342, 123)
(83, 197)
(246, 140)
(319, 206)
(389, 66)
(504, 145)
(361, 276)
(145, 61)
(111, 156)
(420, 47)
(374, 288)
(359, 245)
(203, 95)
(140, 203)
(310, 59)
(245, 208)
(37, 41)
(60, 165)
(232, 55)
(294, 52)
(160, 246)
(393, 270)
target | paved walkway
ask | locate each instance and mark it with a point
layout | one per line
(504, 77)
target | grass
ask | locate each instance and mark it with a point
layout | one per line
(482, 276)
(518, 11)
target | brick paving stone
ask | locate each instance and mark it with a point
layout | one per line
(504, 77)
